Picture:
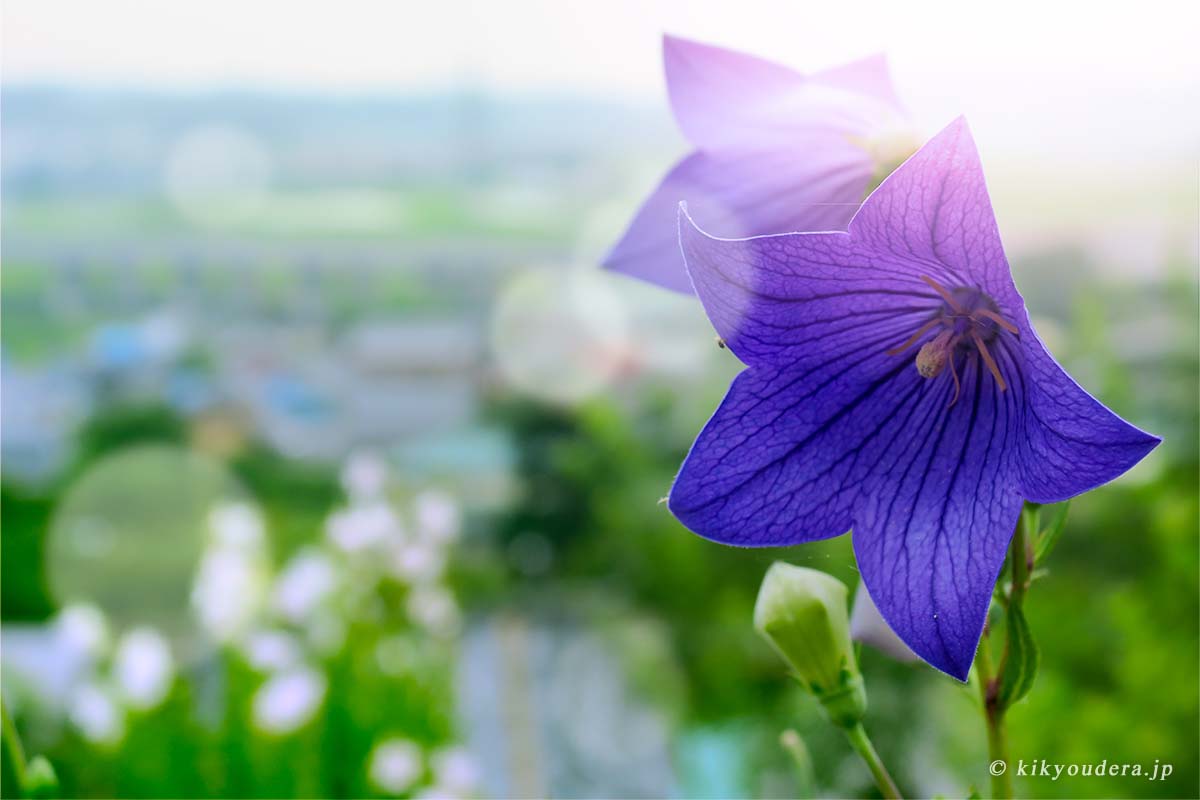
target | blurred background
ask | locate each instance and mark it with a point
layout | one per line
(331, 462)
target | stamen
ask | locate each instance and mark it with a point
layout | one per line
(996, 318)
(967, 311)
(931, 358)
(987, 359)
(949, 298)
(957, 385)
(921, 331)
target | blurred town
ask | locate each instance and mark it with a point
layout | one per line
(323, 281)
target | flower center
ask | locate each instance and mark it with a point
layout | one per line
(968, 320)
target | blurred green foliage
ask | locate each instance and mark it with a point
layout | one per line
(202, 741)
(1116, 620)
(587, 542)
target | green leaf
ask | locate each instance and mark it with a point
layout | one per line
(1021, 665)
(1048, 536)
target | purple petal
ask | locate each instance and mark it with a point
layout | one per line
(782, 460)
(804, 298)
(711, 87)
(740, 193)
(1072, 443)
(934, 214)
(936, 517)
(777, 152)
(724, 98)
(868, 76)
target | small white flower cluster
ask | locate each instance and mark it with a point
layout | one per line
(377, 571)
(369, 530)
(396, 766)
(284, 625)
(134, 673)
(231, 584)
(233, 598)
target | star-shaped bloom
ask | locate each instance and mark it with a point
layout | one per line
(894, 386)
(775, 151)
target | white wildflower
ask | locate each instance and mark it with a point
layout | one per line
(364, 476)
(395, 765)
(307, 580)
(417, 562)
(271, 650)
(434, 608)
(83, 629)
(363, 527)
(143, 668)
(238, 526)
(96, 715)
(454, 769)
(288, 700)
(229, 592)
(438, 516)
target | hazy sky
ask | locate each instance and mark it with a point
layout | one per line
(1091, 73)
(1084, 104)
(607, 46)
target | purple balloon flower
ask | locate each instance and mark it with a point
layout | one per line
(775, 151)
(831, 427)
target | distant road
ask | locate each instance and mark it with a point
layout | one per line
(223, 252)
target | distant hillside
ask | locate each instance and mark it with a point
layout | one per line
(61, 141)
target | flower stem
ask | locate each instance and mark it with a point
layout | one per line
(1020, 556)
(994, 716)
(989, 683)
(862, 745)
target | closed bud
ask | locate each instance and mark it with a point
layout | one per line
(802, 613)
(40, 778)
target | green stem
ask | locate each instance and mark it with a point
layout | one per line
(1026, 527)
(1018, 556)
(990, 683)
(862, 745)
(1002, 788)
(994, 715)
(13, 755)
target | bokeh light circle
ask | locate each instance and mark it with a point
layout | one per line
(217, 176)
(129, 532)
(560, 335)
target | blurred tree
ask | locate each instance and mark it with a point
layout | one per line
(23, 592)
(116, 427)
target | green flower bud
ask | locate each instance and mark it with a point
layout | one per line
(802, 613)
(40, 778)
